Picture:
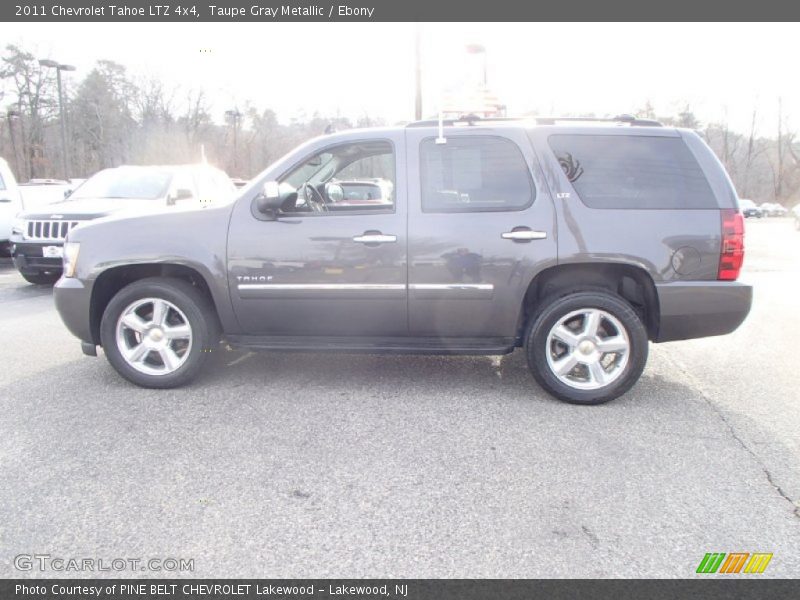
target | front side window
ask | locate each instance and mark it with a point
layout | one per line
(183, 185)
(626, 171)
(213, 187)
(354, 177)
(474, 174)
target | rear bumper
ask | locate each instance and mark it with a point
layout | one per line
(73, 303)
(695, 309)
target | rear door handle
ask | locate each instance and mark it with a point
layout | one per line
(523, 234)
(374, 238)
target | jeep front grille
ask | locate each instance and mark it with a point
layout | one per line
(48, 230)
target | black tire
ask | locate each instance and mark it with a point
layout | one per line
(41, 278)
(199, 313)
(556, 308)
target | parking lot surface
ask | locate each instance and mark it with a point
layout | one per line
(334, 465)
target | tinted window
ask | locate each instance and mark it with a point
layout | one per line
(2, 183)
(621, 171)
(479, 173)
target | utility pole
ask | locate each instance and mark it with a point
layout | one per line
(235, 116)
(65, 149)
(12, 114)
(418, 73)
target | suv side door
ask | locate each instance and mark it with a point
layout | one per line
(327, 273)
(481, 226)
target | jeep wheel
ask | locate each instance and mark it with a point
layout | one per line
(41, 278)
(587, 347)
(158, 332)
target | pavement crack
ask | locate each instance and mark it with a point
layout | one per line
(739, 440)
(593, 539)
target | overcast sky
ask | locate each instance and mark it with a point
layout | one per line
(356, 69)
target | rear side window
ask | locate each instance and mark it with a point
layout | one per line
(622, 171)
(2, 183)
(474, 174)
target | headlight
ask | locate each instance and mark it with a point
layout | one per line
(18, 226)
(70, 258)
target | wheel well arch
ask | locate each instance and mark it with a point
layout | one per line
(632, 283)
(110, 281)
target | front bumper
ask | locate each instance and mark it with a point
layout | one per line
(28, 258)
(73, 303)
(694, 309)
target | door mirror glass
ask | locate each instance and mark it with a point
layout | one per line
(270, 199)
(334, 191)
(272, 190)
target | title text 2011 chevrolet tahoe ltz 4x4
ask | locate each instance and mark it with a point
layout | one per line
(578, 242)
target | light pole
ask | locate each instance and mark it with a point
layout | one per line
(235, 116)
(65, 151)
(418, 73)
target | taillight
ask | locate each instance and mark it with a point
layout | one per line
(731, 253)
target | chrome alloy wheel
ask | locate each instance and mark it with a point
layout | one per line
(588, 349)
(154, 336)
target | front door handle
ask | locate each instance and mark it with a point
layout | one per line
(523, 234)
(371, 237)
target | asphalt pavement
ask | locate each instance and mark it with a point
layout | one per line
(334, 465)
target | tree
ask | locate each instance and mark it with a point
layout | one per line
(35, 100)
(103, 121)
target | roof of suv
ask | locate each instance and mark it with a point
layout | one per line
(469, 120)
(621, 125)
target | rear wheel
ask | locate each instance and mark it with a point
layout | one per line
(587, 347)
(158, 332)
(41, 278)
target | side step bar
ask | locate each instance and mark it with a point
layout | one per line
(391, 345)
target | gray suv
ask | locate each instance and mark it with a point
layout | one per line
(579, 242)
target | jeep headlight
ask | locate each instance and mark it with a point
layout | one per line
(70, 258)
(18, 226)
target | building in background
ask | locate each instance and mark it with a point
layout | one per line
(471, 95)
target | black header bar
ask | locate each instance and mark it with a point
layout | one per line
(397, 10)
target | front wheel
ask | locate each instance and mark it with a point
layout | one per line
(587, 347)
(158, 332)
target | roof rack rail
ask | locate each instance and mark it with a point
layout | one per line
(465, 119)
(473, 119)
(624, 118)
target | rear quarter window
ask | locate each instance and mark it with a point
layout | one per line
(634, 172)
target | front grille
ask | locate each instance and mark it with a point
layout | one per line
(48, 230)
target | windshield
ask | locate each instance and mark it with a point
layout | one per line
(125, 183)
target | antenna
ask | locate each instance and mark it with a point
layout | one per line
(441, 139)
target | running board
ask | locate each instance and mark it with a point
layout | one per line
(389, 345)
